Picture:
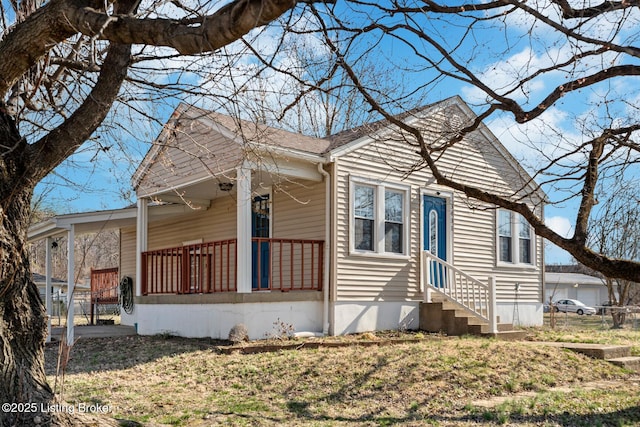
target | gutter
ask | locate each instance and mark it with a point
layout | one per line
(327, 240)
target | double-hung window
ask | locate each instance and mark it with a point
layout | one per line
(364, 217)
(393, 221)
(525, 241)
(515, 239)
(379, 218)
(505, 235)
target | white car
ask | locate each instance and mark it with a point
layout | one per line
(573, 306)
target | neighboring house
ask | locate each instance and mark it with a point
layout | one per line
(59, 291)
(58, 286)
(590, 290)
(244, 223)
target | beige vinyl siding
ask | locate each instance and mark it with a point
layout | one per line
(192, 152)
(128, 252)
(216, 223)
(474, 252)
(476, 162)
(298, 213)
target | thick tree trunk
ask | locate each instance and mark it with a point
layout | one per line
(24, 392)
(23, 388)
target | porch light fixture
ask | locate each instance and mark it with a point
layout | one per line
(225, 186)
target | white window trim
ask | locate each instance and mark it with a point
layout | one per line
(379, 218)
(449, 208)
(515, 243)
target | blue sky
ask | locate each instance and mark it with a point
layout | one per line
(101, 180)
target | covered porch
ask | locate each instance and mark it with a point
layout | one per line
(259, 248)
(259, 228)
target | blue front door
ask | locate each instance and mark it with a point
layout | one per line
(435, 235)
(261, 255)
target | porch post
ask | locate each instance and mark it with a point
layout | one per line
(47, 283)
(425, 276)
(142, 226)
(71, 282)
(243, 219)
(492, 309)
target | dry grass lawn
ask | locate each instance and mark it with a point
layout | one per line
(433, 381)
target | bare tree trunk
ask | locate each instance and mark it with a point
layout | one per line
(618, 313)
(619, 317)
(23, 326)
(24, 391)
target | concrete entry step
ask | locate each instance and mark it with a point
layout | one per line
(599, 351)
(631, 363)
(449, 318)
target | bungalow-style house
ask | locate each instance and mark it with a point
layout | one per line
(238, 222)
(338, 235)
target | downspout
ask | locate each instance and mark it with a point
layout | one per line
(327, 240)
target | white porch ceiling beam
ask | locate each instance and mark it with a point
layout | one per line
(243, 242)
(286, 167)
(193, 203)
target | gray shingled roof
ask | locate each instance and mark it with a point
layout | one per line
(342, 138)
(268, 135)
(263, 134)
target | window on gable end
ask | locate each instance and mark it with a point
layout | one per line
(525, 241)
(505, 236)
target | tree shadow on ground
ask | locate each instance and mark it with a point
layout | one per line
(113, 353)
(623, 417)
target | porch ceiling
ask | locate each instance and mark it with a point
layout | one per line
(87, 222)
(266, 173)
(198, 193)
(92, 222)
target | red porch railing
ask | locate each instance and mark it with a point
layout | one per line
(190, 269)
(104, 287)
(293, 265)
(211, 267)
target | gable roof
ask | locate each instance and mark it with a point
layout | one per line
(352, 139)
(243, 133)
(270, 136)
(249, 134)
(368, 129)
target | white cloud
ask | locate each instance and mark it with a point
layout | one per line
(505, 75)
(534, 143)
(560, 225)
